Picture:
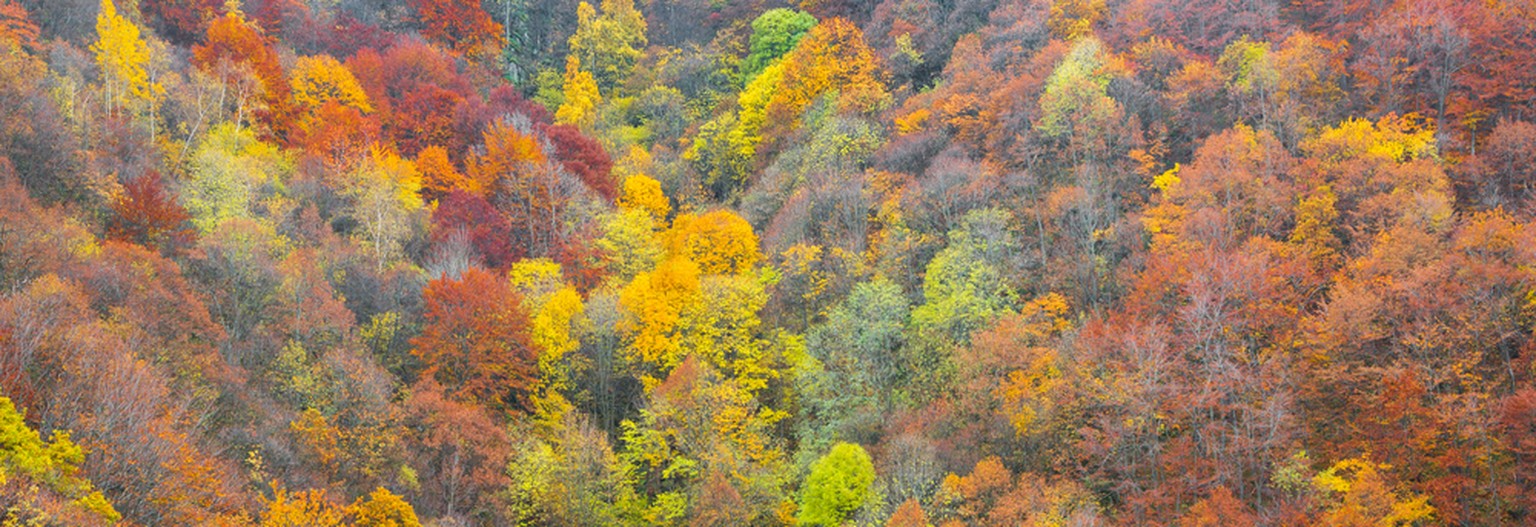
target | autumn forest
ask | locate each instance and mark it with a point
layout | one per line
(872, 263)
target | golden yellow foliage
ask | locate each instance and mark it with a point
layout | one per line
(320, 79)
(833, 56)
(123, 56)
(384, 509)
(581, 95)
(307, 508)
(721, 242)
(655, 301)
(1361, 496)
(1072, 19)
(643, 193)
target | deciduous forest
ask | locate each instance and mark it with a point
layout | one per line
(901, 263)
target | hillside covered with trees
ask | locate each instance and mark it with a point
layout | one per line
(901, 263)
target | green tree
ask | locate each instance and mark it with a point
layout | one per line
(609, 44)
(837, 487)
(1076, 102)
(774, 33)
(857, 349)
(965, 287)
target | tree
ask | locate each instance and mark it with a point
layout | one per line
(1076, 104)
(383, 508)
(321, 79)
(1359, 495)
(655, 301)
(608, 44)
(581, 95)
(53, 464)
(181, 21)
(584, 157)
(720, 242)
(438, 175)
(148, 215)
(460, 24)
(471, 217)
(16, 25)
(123, 56)
(774, 33)
(908, 514)
(231, 170)
(1074, 19)
(1220, 508)
(234, 48)
(475, 340)
(385, 192)
(644, 194)
(308, 508)
(837, 486)
(832, 56)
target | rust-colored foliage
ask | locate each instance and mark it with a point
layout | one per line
(585, 157)
(475, 341)
(148, 215)
(234, 45)
(181, 21)
(460, 24)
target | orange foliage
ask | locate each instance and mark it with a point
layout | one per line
(475, 341)
(461, 24)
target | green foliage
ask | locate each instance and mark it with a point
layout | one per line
(610, 43)
(774, 33)
(1076, 101)
(857, 352)
(839, 484)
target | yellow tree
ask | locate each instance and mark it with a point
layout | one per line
(308, 508)
(609, 44)
(386, 193)
(721, 242)
(655, 301)
(555, 308)
(581, 95)
(123, 56)
(833, 56)
(640, 192)
(320, 79)
(384, 509)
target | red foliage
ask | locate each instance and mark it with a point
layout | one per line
(148, 215)
(419, 91)
(424, 117)
(180, 21)
(487, 229)
(461, 24)
(475, 341)
(475, 116)
(350, 35)
(584, 157)
(459, 451)
(581, 260)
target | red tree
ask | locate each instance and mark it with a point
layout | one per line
(584, 157)
(486, 229)
(148, 215)
(475, 341)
